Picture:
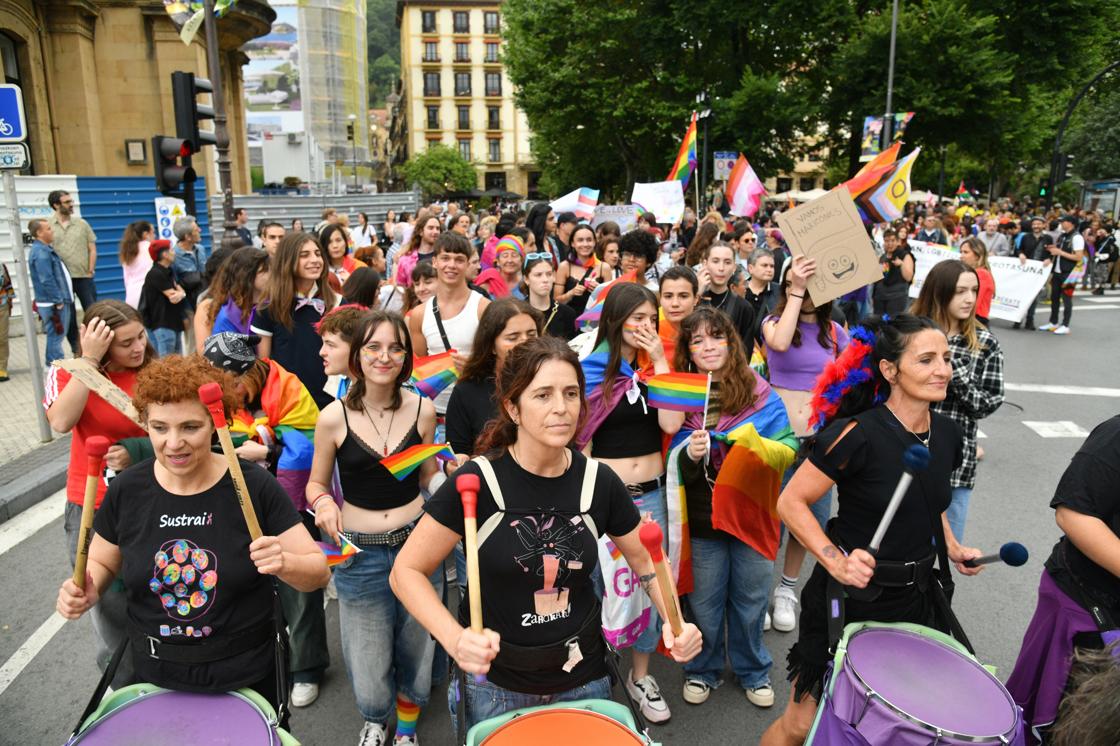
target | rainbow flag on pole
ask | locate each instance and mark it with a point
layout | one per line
(683, 392)
(433, 374)
(686, 159)
(400, 465)
(338, 555)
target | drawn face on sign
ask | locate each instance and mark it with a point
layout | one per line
(834, 267)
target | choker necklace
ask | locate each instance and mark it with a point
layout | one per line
(929, 433)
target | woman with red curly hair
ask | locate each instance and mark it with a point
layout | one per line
(200, 602)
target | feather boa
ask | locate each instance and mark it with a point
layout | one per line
(851, 368)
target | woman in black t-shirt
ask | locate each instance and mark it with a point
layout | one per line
(199, 602)
(882, 386)
(387, 653)
(891, 294)
(539, 523)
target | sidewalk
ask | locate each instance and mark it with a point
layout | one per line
(29, 469)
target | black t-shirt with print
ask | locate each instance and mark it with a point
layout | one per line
(541, 521)
(187, 572)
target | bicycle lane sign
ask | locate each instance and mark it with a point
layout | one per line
(13, 125)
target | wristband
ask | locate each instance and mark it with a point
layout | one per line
(319, 498)
(795, 295)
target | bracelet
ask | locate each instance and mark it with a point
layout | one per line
(319, 498)
(795, 295)
(92, 361)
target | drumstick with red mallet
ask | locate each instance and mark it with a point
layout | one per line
(211, 396)
(467, 485)
(651, 537)
(96, 446)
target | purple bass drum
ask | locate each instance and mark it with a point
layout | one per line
(904, 685)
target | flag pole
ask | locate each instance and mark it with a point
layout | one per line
(704, 422)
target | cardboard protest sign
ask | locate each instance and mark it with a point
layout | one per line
(100, 385)
(665, 199)
(1017, 284)
(829, 230)
(625, 215)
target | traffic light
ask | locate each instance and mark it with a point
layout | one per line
(185, 88)
(1065, 162)
(171, 173)
(350, 131)
(1043, 187)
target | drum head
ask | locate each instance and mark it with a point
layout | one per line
(931, 683)
(181, 717)
(562, 727)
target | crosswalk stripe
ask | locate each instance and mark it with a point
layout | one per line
(1058, 429)
(29, 649)
(1045, 388)
(27, 523)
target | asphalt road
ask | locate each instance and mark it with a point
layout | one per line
(1016, 480)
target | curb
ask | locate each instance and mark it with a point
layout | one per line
(32, 477)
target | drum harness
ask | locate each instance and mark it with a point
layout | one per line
(566, 654)
(274, 628)
(894, 574)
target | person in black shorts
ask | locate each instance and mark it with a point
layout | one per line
(541, 507)
(874, 406)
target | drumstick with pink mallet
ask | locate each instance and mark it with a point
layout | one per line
(96, 447)
(467, 485)
(651, 537)
(211, 396)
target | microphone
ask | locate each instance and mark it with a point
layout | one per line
(1012, 553)
(915, 459)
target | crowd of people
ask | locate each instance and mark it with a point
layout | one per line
(556, 328)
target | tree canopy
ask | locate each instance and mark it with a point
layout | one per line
(439, 170)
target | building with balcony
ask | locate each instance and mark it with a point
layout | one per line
(454, 91)
(96, 81)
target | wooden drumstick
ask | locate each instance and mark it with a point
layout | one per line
(96, 447)
(467, 485)
(651, 537)
(211, 396)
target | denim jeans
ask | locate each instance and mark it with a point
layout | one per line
(54, 335)
(307, 626)
(732, 584)
(1058, 297)
(166, 342)
(486, 700)
(387, 652)
(110, 615)
(958, 511)
(653, 502)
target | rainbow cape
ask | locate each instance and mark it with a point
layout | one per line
(685, 163)
(400, 465)
(433, 374)
(751, 451)
(683, 392)
(594, 373)
(338, 555)
(287, 416)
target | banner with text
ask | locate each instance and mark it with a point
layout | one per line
(625, 215)
(1017, 284)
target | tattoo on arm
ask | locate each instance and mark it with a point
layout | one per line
(647, 582)
(830, 552)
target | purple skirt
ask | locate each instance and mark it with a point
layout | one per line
(1039, 679)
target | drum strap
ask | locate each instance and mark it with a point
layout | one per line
(942, 585)
(102, 686)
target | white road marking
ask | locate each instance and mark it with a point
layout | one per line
(1099, 298)
(1096, 308)
(1045, 388)
(980, 434)
(1059, 429)
(28, 650)
(27, 523)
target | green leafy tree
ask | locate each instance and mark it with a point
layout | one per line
(383, 49)
(440, 170)
(1093, 138)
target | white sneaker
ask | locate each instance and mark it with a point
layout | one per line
(406, 741)
(372, 735)
(1063, 329)
(761, 696)
(785, 609)
(304, 693)
(647, 696)
(1047, 327)
(695, 692)
(767, 624)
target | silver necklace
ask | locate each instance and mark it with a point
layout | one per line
(929, 432)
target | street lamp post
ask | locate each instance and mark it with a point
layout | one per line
(704, 115)
(353, 136)
(888, 118)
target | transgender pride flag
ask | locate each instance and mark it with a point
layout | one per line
(581, 201)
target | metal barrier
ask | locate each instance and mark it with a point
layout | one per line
(309, 207)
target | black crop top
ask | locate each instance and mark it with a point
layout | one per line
(629, 430)
(365, 482)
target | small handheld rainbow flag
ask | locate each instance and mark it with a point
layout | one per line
(684, 392)
(338, 555)
(400, 465)
(433, 374)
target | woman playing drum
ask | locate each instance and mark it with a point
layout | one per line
(874, 404)
(543, 641)
(199, 602)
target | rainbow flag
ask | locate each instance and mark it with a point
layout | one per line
(685, 163)
(400, 465)
(873, 171)
(287, 415)
(683, 392)
(338, 555)
(433, 374)
(886, 200)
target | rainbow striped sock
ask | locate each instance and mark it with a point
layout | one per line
(407, 715)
